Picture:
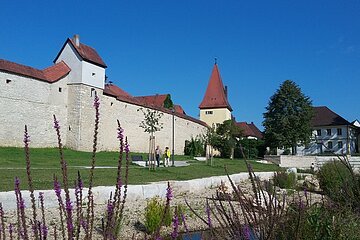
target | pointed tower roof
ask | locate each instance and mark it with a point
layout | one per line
(215, 95)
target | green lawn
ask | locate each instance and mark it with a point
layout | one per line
(45, 163)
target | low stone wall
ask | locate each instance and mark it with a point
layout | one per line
(102, 194)
(290, 161)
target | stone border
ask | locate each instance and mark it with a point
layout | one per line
(102, 193)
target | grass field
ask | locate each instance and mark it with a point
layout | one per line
(45, 163)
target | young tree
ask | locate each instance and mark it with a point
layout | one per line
(151, 124)
(287, 117)
(229, 133)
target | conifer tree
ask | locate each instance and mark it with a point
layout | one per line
(287, 118)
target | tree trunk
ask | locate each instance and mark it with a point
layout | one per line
(232, 153)
(294, 150)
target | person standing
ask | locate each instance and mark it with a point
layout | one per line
(157, 155)
(167, 157)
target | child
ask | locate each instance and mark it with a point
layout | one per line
(166, 157)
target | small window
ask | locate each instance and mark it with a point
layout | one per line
(111, 103)
(328, 132)
(330, 145)
(339, 131)
(318, 132)
(340, 144)
(208, 112)
(8, 80)
(92, 92)
(93, 74)
(60, 89)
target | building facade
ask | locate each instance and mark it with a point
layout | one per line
(331, 134)
(31, 97)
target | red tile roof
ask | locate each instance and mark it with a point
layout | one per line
(215, 96)
(154, 100)
(87, 53)
(179, 109)
(323, 116)
(250, 130)
(115, 91)
(50, 74)
(121, 95)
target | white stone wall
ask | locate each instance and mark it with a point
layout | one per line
(81, 135)
(32, 102)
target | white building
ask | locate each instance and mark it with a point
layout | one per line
(331, 134)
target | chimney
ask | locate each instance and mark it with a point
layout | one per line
(225, 90)
(76, 39)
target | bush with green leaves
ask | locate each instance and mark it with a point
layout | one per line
(336, 180)
(154, 212)
(283, 179)
(194, 147)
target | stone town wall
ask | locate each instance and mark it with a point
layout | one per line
(111, 110)
(32, 102)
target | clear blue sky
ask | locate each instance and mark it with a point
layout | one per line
(169, 47)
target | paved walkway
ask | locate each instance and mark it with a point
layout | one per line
(176, 163)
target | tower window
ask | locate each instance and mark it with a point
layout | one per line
(208, 112)
(60, 89)
(93, 74)
(8, 81)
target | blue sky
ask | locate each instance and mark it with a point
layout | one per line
(169, 47)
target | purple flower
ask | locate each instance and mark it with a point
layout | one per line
(169, 194)
(56, 123)
(26, 136)
(17, 184)
(246, 231)
(127, 148)
(184, 222)
(96, 101)
(11, 229)
(84, 224)
(44, 231)
(120, 135)
(175, 232)
(21, 203)
(57, 188)
(68, 208)
(110, 209)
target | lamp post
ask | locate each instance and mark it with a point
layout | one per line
(173, 136)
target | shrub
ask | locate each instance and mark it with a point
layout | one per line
(154, 212)
(194, 147)
(336, 181)
(283, 179)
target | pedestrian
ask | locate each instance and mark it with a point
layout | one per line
(157, 155)
(166, 157)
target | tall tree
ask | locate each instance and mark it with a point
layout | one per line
(287, 117)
